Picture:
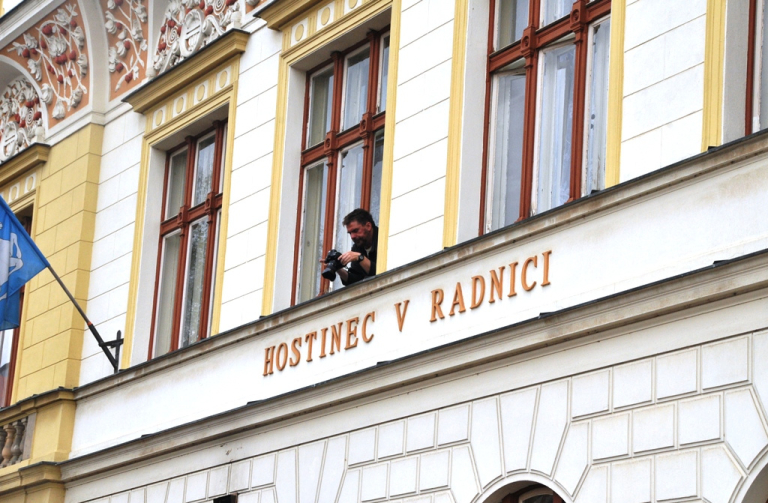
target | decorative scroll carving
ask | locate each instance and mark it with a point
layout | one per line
(126, 25)
(21, 118)
(55, 54)
(14, 442)
(190, 25)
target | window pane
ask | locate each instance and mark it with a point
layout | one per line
(505, 178)
(556, 123)
(552, 10)
(312, 228)
(193, 289)
(598, 106)
(350, 189)
(378, 157)
(176, 183)
(320, 103)
(356, 93)
(763, 105)
(6, 346)
(166, 294)
(384, 73)
(204, 169)
(512, 19)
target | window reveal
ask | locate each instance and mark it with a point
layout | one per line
(343, 141)
(756, 117)
(188, 242)
(546, 111)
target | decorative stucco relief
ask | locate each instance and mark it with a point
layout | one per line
(252, 4)
(126, 24)
(55, 52)
(21, 118)
(190, 25)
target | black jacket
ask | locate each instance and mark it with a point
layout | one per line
(355, 272)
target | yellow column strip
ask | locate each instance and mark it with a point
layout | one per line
(389, 138)
(615, 93)
(274, 191)
(455, 118)
(714, 60)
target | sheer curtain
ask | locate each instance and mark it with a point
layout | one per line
(312, 228)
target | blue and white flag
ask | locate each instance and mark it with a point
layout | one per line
(20, 261)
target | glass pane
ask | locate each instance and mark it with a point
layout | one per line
(512, 19)
(193, 289)
(177, 181)
(378, 157)
(6, 346)
(598, 107)
(350, 189)
(204, 169)
(312, 228)
(763, 105)
(552, 10)
(556, 123)
(356, 93)
(506, 176)
(384, 73)
(320, 103)
(166, 294)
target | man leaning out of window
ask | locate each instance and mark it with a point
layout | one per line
(362, 258)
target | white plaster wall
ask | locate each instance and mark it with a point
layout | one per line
(684, 425)
(663, 84)
(113, 238)
(251, 178)
(421, 130)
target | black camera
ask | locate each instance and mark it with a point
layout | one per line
(332, 264)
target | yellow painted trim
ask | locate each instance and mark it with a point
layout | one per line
(455, 120)
(24, 161)
(615, 94)
(290, 56)
(152, 136)
(714, 61)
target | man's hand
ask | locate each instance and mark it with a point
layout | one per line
(348, 257)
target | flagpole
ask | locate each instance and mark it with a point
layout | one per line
(103, 345)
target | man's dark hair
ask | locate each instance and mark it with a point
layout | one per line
(360, 216)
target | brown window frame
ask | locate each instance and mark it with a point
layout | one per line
(181, 222)
(533, 40)
(336, 140)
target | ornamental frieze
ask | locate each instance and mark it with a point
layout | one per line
(21, 118)
(125, 22)
(55, 52)
(190, 25)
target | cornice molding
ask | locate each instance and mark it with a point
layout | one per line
(39, 476)
(278, 14)
(156, 90)
(26, 160)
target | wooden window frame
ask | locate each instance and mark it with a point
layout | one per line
(181, 222)
(337, 140)
(529, 48)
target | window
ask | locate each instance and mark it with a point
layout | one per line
(343, 141)
(546, 114)
(757, 68)
(192, 196)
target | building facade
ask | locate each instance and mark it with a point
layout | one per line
(572, 276)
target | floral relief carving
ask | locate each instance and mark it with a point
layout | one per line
(190, 25)
(126, 25)
(56, 56)
(21, 117)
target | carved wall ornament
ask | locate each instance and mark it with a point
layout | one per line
(190, 25)
(21, 118)
(126, 24)
(56, 55)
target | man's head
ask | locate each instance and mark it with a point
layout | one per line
(360, 226)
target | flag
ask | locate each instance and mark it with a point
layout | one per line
(20, 261)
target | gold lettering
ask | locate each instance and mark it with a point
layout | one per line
(296, 358)
(400, 316)
(372, 317)
(497, 284)
(269, 364)
(524, 273)
(458, 300)
(351, 332)
(437, 299)
(512, 271)
(310, 339)
(283, 358)
(336, 338)
(546, 268)
(322, 342)
(477, 299)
